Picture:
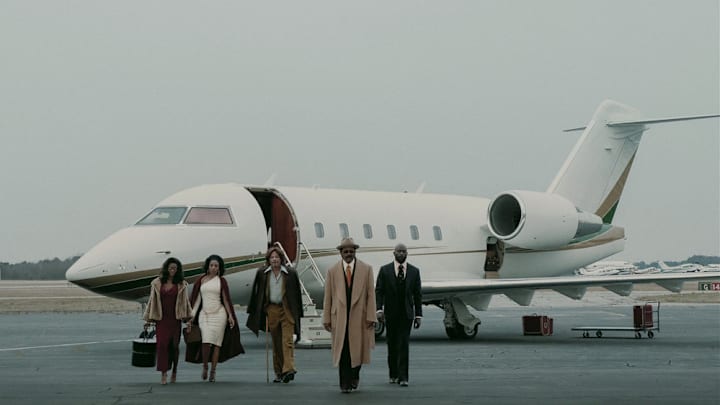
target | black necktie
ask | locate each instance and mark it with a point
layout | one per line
(401, 273)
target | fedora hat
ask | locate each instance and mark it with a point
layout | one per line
(347, 242)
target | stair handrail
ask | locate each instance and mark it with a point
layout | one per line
(316, 270)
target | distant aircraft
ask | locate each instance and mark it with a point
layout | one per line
(647, 270)
(683, 268)
(468, 248)
(608, 268)
(712, 267)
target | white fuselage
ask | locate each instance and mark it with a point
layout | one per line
(446, 236)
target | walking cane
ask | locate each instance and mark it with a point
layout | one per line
(267, 359)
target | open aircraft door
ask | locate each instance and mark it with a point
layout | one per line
(280, 221)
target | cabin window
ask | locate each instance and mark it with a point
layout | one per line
(319, 230)
(414, 233)
(163, 216)
(437, 232)
(367, 231)
(344, 231)
(391, 232)
(209, 216)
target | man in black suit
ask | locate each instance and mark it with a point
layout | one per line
(399, 303)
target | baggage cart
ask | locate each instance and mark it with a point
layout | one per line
(646, 318)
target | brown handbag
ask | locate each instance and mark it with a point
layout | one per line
(193, 336)
(231, 346)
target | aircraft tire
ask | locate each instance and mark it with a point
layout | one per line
(461, 332)
(450, 332)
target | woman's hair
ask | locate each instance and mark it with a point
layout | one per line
(218, 259)
(269, 252)
(164, 273)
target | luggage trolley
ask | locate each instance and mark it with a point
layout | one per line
(646, 318)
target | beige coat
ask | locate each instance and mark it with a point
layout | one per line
(153, 310)
(362, 310)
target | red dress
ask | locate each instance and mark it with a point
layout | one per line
(167, 329)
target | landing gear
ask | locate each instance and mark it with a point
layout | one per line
(460, 324)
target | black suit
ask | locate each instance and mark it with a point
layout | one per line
(401, 302)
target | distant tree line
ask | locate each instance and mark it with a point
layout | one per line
(48, 269)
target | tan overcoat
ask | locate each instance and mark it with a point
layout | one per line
(153, 310)
(362, 310)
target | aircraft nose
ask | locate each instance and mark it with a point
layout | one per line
(71, 274)
(82, 269)
(103, 259)
(74, 273)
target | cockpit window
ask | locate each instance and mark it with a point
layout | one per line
(209, 216)
(163, 216)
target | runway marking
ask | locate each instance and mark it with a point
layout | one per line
(64, 345)
(50, 298)
(33, 287)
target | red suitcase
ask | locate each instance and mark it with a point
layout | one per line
(643, 316)
(538, 325)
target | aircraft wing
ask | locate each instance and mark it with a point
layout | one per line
(477, 293)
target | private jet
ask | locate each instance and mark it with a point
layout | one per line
(605, 268)
(468, 249)
(682, 268)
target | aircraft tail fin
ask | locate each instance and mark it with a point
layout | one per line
(594, 174)
(663, 265)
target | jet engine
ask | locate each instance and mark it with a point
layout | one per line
(534, 220)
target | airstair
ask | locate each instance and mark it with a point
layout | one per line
(312, 332)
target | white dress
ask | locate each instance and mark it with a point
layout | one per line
(213, 316)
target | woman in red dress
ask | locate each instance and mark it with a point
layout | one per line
(167, 306)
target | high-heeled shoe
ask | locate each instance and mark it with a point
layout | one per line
(163, 379)
(204, 373)
(173, 378)
(212, 375)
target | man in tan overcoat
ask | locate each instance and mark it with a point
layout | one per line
(349, 314)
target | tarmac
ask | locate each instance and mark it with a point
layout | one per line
(85, 358)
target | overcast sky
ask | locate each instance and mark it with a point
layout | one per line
(106, 108)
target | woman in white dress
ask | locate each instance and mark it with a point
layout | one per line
(213, 311)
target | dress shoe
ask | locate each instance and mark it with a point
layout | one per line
(393, 381)
(289, 376)
(403, 383)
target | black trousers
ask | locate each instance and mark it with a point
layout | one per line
(398, 342)
(348, 375)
